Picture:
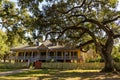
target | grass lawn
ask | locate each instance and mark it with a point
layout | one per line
(3, 70)
(58, 74)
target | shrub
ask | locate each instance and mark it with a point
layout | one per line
(96, 60)
(72, 65)
(13, 65)
(116, 59)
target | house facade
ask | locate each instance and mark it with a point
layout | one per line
(47, 51)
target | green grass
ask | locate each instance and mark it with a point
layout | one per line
(3, 70)
(12, 65)
(86, 71)
(60, 74)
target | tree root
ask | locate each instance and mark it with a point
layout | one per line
(115, 70)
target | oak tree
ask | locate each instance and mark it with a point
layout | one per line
(86, 22)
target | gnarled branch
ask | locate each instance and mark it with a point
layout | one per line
(116, 36)
(105, 28)
(73, 8)
(86, 43)
(78, 37)
(112, 20)
(79, 15)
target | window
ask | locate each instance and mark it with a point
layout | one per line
(51, 53)
(20, 54)
(59, 53)
(28, 53)
(67, 53)
(35, 53)
(75, 53)
(72, 54)
(43, 53)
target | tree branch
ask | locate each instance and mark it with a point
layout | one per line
(105, 28)
(77, 15)
(99, 24)
(86, 43)
(78, 37)
(73, 8)
(81, 49)
(116, 36)
(109, 21)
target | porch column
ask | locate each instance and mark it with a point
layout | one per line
(70, 55)
(46, 55)
(62, 54)
(56, 55)
(24, 55)
(65, 56)
(39, 54)
(32, 54)
(16, 56)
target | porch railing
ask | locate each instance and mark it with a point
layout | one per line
(34, 58)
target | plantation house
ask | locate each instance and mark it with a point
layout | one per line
(46, 51)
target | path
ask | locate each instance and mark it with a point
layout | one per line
(12, 72)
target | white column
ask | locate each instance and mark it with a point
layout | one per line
(70, 54)
(24, 55)
(32, 54)
(46, 55)
(39, 54)
(56, 55)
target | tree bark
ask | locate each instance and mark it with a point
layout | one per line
(4, 59)
(109, 63)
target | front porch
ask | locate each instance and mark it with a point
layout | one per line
(53, 56)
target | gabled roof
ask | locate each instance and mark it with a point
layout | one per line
(42, 47)
(59, 47)
(46, 45)
(24, 48)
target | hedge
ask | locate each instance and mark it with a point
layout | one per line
(73, 65)
(13, 65)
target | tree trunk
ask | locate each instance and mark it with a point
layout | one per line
(109, 63)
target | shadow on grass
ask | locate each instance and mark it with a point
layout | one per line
(81, 76)
(55, 74)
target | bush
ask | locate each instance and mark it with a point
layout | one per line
(59, 65)
(116, 59)
(13, 65)
(96, 60)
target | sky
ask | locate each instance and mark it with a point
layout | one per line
(118, 8)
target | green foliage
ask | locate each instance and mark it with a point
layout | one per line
(84, 66)
(3, 46)
(52, 19)
(96, 60)
(13, 65)
(116, 54)
(14, 22)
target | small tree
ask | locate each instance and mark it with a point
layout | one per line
(3, 46)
